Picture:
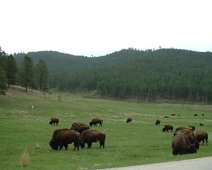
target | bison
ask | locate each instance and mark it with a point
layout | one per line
(79, 127)
(54, 121)
(89, 136)
(96, 121)
(190, 135)
(157, 122)
(167, 128)
(129, 119)
(202, 136)
(181, 145)
(63, 137)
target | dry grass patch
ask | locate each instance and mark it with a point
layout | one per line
(25, 159)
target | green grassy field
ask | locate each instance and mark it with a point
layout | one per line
(139, 142)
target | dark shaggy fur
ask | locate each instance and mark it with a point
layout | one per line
(96, 121)
(202, 137)
(166, 128)
(89, 136)
(79, 127)
(181, 145)
(129, 119)
(63, 137)
(157, 122)
(54, 121)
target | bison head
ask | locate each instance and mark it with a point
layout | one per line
(53, 145)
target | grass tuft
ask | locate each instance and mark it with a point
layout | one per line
(25, 159)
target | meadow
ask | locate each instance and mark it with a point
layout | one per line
(24, 124)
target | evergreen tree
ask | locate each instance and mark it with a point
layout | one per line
(42, 75)
(11, 69)
(28, 73)
(3, 78)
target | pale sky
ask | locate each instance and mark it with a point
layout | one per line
(99, 27)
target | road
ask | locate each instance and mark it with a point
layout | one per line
(191, 164)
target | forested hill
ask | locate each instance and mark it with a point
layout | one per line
(150, 74)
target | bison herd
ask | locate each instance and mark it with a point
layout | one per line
(185, 139)
(79, 134)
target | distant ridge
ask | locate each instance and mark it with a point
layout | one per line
(152, 74)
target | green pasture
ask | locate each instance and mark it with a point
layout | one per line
(139, 142)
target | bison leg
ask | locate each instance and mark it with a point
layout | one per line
(102, 143)
(89, 144)
(61, 146)
(76, 146)
(66, 146)
(174, 152)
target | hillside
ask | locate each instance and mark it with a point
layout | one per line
(164, 73)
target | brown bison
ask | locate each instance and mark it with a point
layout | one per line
(96, 121)
(167, 128)
(190, 135)
(181, 145)
(157, 122)
(202, 136)
(129, 119)
(89, 136)
(79, 127)
(54, 121)
(63, 137)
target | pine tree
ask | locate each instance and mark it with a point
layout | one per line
(11, 69)
(28, 73)
(42, 75)
(3, 78)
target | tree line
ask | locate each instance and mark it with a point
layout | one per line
(171, 74)
(28, 75)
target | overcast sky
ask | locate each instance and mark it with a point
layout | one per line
(99, 27)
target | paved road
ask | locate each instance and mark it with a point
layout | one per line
(191, 164)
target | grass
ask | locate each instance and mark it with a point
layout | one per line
(139, 142)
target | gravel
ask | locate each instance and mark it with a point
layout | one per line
(191, 164)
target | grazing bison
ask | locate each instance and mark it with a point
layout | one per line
(79, 127)
(166, 116)
(89, 136)
(63, 137)
(173, 114)
(54, 121)
(167, 128)
(195, 114)
(96, 121)
(157, 122)
(190, 135)
(181, 145)
(201, 124)
(129, 119)
(202, 136)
